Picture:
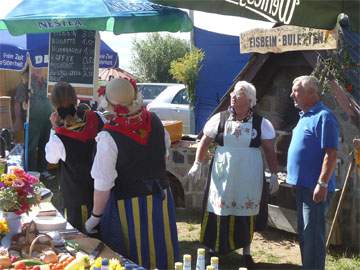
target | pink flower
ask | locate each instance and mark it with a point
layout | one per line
(20, 173)
(30, 179)
(18, 183)
(28, 189)
(25, 207)
(21, 191)
(249, 204)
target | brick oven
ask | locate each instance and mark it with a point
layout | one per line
(272, 74)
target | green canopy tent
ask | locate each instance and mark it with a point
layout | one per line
(119, 16)
(321, 14)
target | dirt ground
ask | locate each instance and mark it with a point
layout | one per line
(271, 249)
(276, 246)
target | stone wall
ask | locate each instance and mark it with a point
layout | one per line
(180, 160)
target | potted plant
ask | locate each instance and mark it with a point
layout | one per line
(19, 191)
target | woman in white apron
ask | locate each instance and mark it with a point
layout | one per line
(236, 178)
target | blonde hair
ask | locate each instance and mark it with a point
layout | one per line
(248, 89)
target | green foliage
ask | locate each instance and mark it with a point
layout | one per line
(153, 55)
(336, 64)
(9, 199)
(186, 70)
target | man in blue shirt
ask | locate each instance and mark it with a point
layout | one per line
(310, 167)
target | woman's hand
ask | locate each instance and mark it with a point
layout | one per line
(195, 171)
(91, 223)
(54, 119)
(100, 200)
(274, 184)
(201, 152)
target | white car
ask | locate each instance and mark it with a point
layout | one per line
(150, 91)
(173, 104)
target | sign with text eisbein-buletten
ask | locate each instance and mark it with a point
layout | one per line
(287, 38)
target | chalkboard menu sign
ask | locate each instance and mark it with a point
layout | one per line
(72, 57)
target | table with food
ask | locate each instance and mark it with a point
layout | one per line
(34, 235)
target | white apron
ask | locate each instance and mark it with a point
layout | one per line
(237, 173)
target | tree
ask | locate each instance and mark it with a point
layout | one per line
(186, 70)
(153, 55)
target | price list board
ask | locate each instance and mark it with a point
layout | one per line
(72, 56)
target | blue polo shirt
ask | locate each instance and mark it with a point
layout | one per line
(316, 130)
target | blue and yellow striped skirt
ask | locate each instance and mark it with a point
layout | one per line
(143, 229)
(223, 234)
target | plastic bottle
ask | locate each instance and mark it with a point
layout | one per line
(15, 157)
(130, 266)
(200, 261)
(187, 262)
(105, 264)
(214, 261)
(178, 266)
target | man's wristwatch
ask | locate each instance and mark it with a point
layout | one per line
(95, 215)
(322, 184)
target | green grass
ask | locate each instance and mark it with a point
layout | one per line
(342, 261)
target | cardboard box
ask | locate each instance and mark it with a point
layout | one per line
(174, 128)
(5, 112)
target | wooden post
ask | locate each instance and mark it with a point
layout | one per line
(340, 200)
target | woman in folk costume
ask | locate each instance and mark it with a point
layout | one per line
(72, 143)
(236, 176)
(132, 198)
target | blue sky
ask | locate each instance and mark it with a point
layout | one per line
(216, 23)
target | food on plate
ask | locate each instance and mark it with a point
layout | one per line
(5, 262)
(27, 262)
(80, 263)
(49, 256)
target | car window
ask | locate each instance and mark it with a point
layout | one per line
(181, 97)
(150, 91)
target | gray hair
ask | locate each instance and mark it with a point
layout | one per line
(308, 82)
(248, 89)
